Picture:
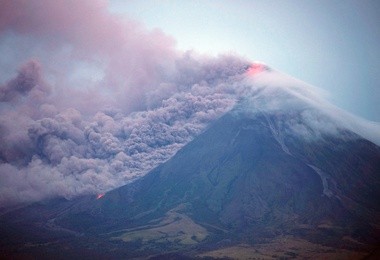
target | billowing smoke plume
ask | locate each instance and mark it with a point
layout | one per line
(97, 100)
(27, 78)
(48, 152)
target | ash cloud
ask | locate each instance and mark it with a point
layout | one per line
(120, 58)
(53, 152)
(27, 78)
(98, 100)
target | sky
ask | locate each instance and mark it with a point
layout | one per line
(94, 93)
(332, 44)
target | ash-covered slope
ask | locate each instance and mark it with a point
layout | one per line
(282, 162)
(242, 175)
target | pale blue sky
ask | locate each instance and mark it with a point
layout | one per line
(332, 44)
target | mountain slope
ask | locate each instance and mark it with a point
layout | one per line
(256, 174)
(238, 176)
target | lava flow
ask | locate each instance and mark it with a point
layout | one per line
(256, 68)
(100, 196)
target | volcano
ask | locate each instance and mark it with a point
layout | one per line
(283, 174)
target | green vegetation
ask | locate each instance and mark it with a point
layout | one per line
(284, 247)
(175, 228)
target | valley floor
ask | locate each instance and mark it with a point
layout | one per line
(285, 247)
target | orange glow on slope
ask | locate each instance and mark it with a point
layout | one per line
(256, 68)
(100, 196)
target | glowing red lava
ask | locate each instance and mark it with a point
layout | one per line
(100, 196)
(256, 68)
